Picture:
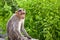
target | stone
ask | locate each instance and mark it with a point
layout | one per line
(2, 39)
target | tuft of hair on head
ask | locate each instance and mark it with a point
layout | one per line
(21, 9)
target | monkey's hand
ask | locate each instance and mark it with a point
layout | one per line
(29, 37)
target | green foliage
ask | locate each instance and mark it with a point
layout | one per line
(42, 17)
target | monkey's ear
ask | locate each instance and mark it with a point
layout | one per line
(15, 11)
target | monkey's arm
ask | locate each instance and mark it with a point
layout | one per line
(24, 31)
(16, 30)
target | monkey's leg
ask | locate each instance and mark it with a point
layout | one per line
(9, 38)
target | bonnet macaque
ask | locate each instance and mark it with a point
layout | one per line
(15, 26)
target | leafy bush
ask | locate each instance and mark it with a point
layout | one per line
(42, 17)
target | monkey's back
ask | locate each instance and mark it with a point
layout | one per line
(10, 28)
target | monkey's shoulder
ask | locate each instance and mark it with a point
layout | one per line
(13, 17)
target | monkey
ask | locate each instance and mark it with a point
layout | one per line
(15, 26)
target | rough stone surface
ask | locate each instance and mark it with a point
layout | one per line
(34, 39)
(2, 39)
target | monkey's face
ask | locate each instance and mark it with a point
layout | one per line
(21, 15)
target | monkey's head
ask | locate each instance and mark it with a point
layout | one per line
(21, 13)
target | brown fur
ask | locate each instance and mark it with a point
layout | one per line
(12, 29)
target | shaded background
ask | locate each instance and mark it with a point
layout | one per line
(42, 17)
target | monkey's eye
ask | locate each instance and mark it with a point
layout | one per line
(23, 13)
